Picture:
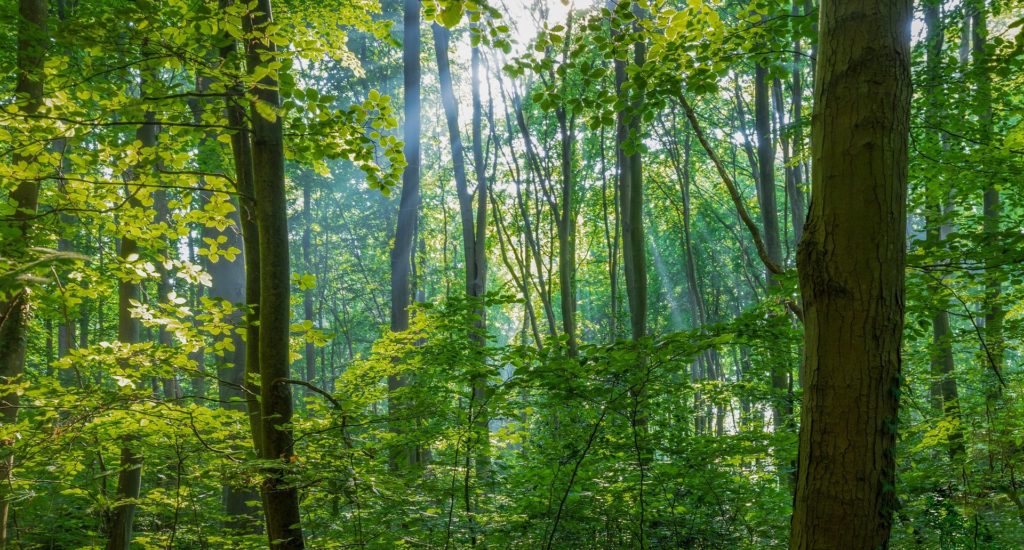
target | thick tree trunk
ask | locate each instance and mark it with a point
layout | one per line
(851, 263)
(14, 311)
(280, 500)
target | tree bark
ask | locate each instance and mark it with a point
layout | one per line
(241, 151)
(129, 479)
(309, 353)
(280, 500)
(944, 391)
(993, 307)
(15, 310)
(851, 264)
(474, 221)
(408, 211)
(781, 405)
(631, 203)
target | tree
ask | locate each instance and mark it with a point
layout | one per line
(280, 498)
(408, 210)
(129, 296)
(473, 219)
(851, 263)
(241, 156)
(14, 308)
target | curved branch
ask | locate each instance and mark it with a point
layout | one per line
(734, 192)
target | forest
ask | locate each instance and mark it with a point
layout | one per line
(537, 274)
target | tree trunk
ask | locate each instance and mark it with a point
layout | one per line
(611, 237)
(631, 205)
(129, 479)
(797, 197)
(566, 220)
(993, 307)
(781, 407)
(280, 500)
(309, 353)
(851, 263)
(241, 151)
(408, 211)
(15, 310)
(797, 209)
(944, 392)
(477, 287)
(474, 225)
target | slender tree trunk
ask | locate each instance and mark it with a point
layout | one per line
(797, 196)
(307, 295)
(408, 211)
(781, 408)
(611, 237)
(566, 221)
(241, 150)
(129, 479)
(944, 392)
(994, 312)
(797, 209)
(634, 257)
(280, 500)
(851, 263)
(530, 232)
(171, 386)
(631, 203)
(477, 287)
(474, 227)
(15, 310)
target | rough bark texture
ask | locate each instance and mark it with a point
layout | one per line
(280, 500)
(851, 263)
